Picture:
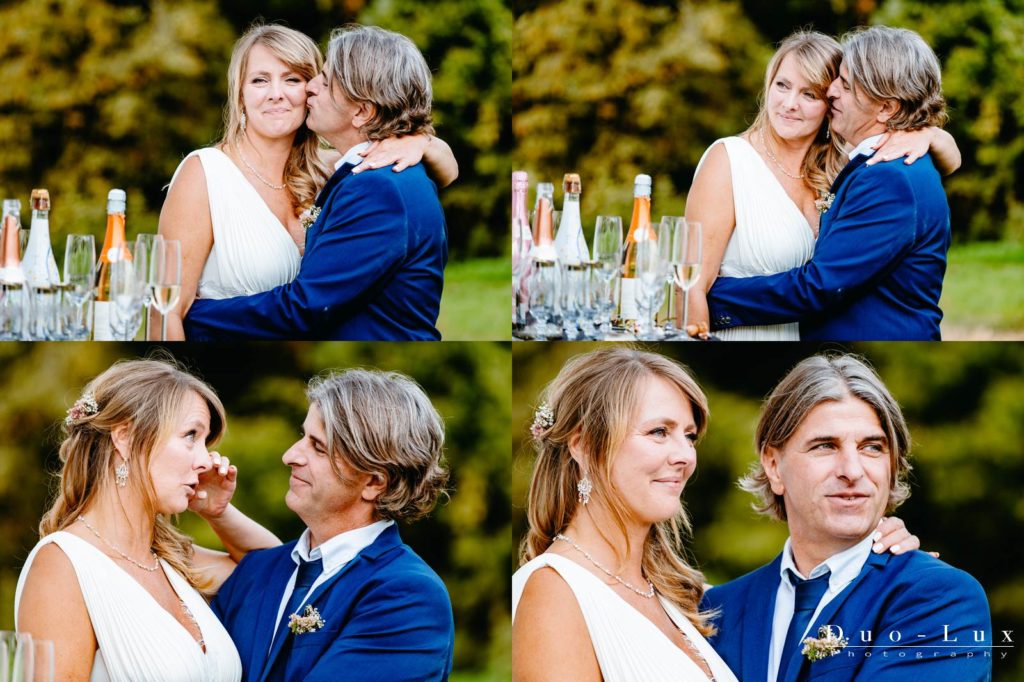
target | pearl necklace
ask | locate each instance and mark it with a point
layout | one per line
(649, 594)
(255, 172)
(116, 549)
(772, 157)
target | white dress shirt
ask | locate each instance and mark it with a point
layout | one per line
(844, 567)
(335, 553)
(352, 155)
(864, 147)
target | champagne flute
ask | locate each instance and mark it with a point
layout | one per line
(42, 661)
(650, 278)
(686, 257)
(608, 263)
(16, 656)
(544, 288)
(127, 286)
(79, 277)
(165, 278)
(144, 244)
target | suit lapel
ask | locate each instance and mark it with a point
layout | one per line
(385, 541)
(848, 170)
(760, 613)
(339, 175)
(267, 612)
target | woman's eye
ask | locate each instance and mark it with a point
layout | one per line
(660, 432)
(691, 436)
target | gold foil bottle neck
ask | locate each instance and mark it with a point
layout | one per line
(40, 200)
(571, 183)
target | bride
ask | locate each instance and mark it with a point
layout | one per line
(112, 582)
(605, 592)
(239, 207)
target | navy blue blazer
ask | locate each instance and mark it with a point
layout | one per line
(877, 268)
(913, 594)
(387, 617)
(373, 269)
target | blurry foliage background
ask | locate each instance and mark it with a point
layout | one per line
(112, 93)
(964, 403)
(612, 88)
(262, 386)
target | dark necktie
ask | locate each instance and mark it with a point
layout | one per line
(808, 594)
(309, 571)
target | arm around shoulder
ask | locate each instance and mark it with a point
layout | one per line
(52, 608)
(550, 640)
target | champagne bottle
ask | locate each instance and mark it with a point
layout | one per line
(639, 230)
(38, 263)
(114, 248)
(11, 271)
(544, 224)
(570, 242)
(524, 241)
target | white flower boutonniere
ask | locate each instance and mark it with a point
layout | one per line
(824, 203)
(309, 621)
(826, 644)
(309, 217)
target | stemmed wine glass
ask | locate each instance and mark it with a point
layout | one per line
(544, 289)
(23, 659)
(650, 282)
(686, 258)
(143, 253)
(127, 289)
(165, 279)
(607, 266)
(79, 280)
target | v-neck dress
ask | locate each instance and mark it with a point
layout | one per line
(629, 647)
(771, 234)
(252, 251)
(137, 638)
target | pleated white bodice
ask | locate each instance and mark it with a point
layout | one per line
(137, 638)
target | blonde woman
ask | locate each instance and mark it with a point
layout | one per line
(112, 582)
(239, 208)
(759, 195)
(604, 592)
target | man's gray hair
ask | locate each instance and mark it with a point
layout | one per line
(383, 424)
(816, 380)
(387, 70)
(896, 64)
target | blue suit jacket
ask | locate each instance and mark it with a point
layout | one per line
(387, 616)
(373, 269)
(877, 268)
(913, 594)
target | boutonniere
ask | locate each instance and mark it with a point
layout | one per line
(309, 621)
(824, 645)
(824, 203)
(309, 217)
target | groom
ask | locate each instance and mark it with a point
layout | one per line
(375, 256)
(881, 249)
(349, 600)
(833, 457)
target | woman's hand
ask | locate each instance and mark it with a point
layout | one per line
(897, 144)
(398, 152)
(216, 488)
(892, 535)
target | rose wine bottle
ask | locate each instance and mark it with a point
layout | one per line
(114, 248)
(544, 223)
(11, 271)
(38, 262)
(639, 230)
(522, 244)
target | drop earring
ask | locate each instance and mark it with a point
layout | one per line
(583, 488)
(243, 121)
(121, 474)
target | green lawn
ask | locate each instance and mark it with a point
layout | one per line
(477, 301)
(983, 292)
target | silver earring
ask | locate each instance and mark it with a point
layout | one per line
(121, 474)
(583, 487)
(243, 121)
(828, 132)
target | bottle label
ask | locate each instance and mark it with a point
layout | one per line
(627, 300)
(101, 321)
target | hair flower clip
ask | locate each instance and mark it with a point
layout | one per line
(543, 419)
(825, 645)
(309, 621)
(85, 406)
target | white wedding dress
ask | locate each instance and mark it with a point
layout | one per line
(629, 647)
(771, 234)
(252, 251)
(138, 639)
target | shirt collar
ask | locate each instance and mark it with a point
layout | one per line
(865, 146)
(844, 566)
(340, 549)
(352, 156)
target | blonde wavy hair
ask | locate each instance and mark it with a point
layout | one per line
(147, 395)
(596, 395)
(304, 173)
(818, 57)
